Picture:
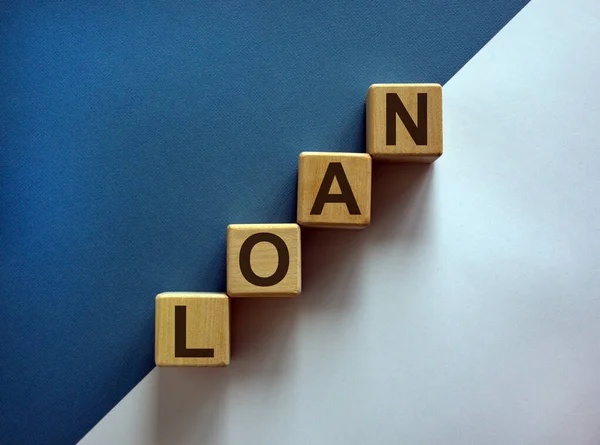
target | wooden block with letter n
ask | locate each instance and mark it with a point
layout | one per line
(192, 329)
(334, 190)
(263, 260)
(404, 122)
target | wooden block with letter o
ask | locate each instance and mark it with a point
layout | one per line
(404, 122)
(263, 260)
(334, 190)
(192, 329)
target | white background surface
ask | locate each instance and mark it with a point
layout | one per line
(468, 312)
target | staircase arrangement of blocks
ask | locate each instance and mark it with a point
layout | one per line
(404, 123)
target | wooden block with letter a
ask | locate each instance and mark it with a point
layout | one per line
(263, 260)
(404, 122)
(192, 329)
(334, 190)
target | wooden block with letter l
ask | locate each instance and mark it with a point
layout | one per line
(263, 260)
(334, 190)
(192, 329)
(404, 122)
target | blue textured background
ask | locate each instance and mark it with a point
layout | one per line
(131, 135)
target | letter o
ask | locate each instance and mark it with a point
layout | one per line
(283, 263)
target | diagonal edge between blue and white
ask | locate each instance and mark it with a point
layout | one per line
(133, 134)
(471, 315)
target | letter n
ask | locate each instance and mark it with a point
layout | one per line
(394, 107)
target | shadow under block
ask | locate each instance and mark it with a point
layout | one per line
(334, 190)
(192, 329)
(263, 260)
(404, 122)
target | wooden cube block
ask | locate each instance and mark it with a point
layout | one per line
(404, 122)
(334, 190)
(192, 329)
(263, 260)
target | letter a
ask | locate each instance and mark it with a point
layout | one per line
(335, 171)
